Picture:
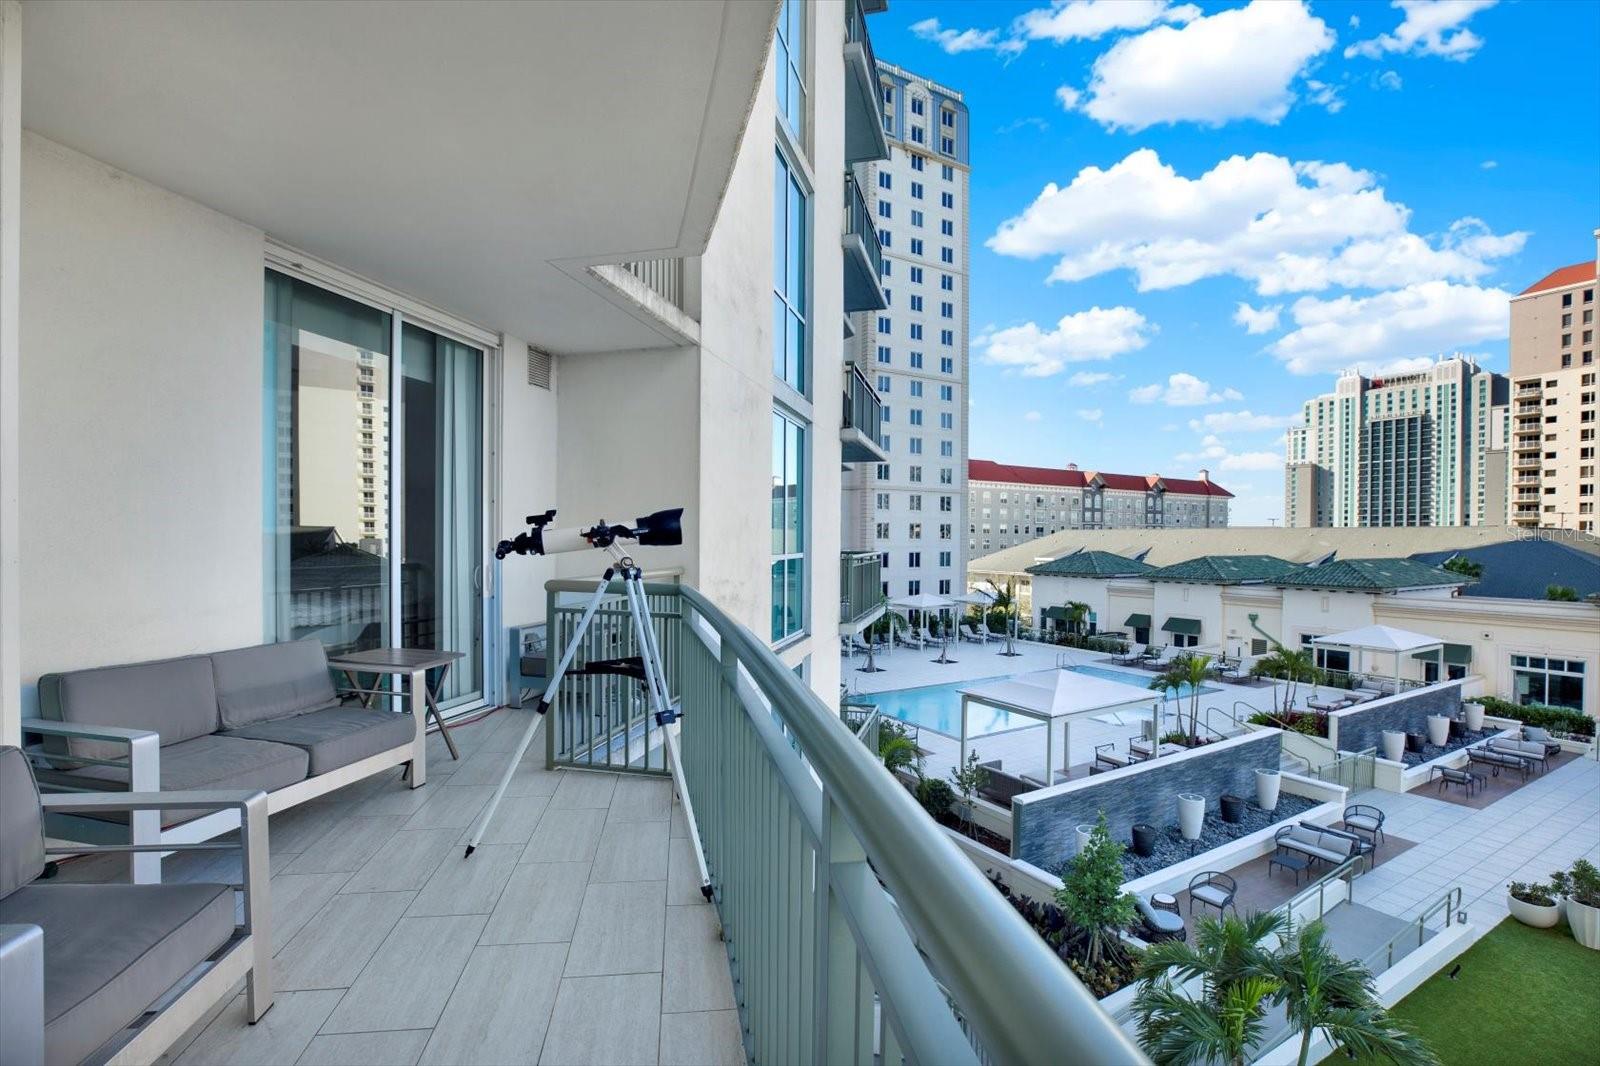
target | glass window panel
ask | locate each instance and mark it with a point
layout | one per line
(793, 595)
(780, 329)
(778, 494)
(777, 600)
(328, 359)
(794, 453)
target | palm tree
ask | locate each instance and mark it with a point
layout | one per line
(1294, 667)
(1077, 611)
(1237, 978)
(1322, 991)
(1188, 669)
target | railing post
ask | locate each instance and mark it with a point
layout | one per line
(836, 995)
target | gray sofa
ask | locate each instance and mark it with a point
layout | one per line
(80, 964)
(265, 717)
(1319, 842)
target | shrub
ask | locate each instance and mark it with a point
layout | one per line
(1581, 883)
(1310, 724)
(1540, 895)
(936, 796)
(1091, 897)
(1560, 719)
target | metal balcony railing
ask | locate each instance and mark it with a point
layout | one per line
(856, 931)
(860, 585)
(855, 31)
(863, 409)
(858, 220)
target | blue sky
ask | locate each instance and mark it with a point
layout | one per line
(1369, 181)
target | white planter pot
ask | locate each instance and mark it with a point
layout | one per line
(1474, 714)
(1084, 832)
(1533, 914)
(1191, 814)
(1585, 923)
(1438, 730)
(1394, 745)
(1268, 782)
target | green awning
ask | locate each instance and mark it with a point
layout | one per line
(1189, 627)
(1138, 621)
(1058, 614)
(1454, 655)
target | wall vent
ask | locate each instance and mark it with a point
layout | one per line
(539, 365)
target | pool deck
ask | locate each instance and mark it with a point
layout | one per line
(1022, 750)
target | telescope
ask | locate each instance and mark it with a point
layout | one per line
(660, 530)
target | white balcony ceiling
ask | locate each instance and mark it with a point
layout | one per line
(475, 155)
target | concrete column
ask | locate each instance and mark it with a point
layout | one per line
(10, 248)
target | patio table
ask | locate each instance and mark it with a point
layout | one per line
(412, 664)
(1289, 860)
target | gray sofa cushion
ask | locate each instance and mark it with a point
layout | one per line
(213, 761)
(272, 681)
(112, 950)
(1161, 921)
(21, 829)
(337, 736)
(174, 697)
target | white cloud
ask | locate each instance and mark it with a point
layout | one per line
(1430, 28)
(1283, 225)
(1073, 20)
(957, 41)
(1182, 390)
(1084, 379)
(1091, 414)
(1032, 416)
(1239, 422)
(1213, 451)
(1378, 331)
(1488, 164)
(1238, 63)
(1257, 319)
(1087, 336)
(1016, 124)
(1325, 96)
(1068, 98)
(1389, 79)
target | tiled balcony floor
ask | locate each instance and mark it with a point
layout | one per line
(576, 933)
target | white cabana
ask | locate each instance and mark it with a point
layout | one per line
(1050, 696)
(1380, 638)
(925, 602)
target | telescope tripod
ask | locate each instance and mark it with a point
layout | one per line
(649, 669)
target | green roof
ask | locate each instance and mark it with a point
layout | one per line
(1372, 575)
(1224, 569)
(1092, 564)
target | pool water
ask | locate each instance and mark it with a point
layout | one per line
(938, 707)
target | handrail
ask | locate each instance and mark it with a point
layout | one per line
(1320, 888)
(1022, 1002)
(1450, 903)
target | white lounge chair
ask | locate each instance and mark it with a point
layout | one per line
(908, 638)
(928, 637)
(997, 634)
(1134, 653)
(974, 634)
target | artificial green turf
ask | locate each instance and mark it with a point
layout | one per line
(1524, 996)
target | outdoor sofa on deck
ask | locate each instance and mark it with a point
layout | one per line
(266, 717)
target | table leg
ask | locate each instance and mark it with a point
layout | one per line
(419, 718)
(433, 708)
(364, 697)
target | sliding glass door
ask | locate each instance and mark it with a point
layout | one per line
(374, 478)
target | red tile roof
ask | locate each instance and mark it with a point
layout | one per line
(1576, 274)
(985, 470)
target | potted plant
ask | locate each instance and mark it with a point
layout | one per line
(1268, 783)
(1394, 745)
(1581, 888)
(1533, 904)
(1191, 814)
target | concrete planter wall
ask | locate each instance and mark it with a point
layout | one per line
(1268, 782)
(1360, 727)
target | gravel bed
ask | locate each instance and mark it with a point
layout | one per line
(1171, 848)
(1417, 758)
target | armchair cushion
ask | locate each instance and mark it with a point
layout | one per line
(1215, 895)
(335, 736)
(213, 761)
(176, 698)
(272, 681)
(21, 830)
(111, 950)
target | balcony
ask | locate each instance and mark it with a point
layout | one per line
(861, 600)
(863, 255)
(862, 427)
(864, 140)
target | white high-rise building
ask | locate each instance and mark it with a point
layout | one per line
(909, 506)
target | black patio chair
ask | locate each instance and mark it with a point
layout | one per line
(1365, 819)
(1215, 889)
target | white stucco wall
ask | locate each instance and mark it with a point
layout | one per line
(1181, 600)
(141, 439)
(527, 446)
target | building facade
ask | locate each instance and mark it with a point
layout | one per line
(1553, 420)
(443, 355)
(913, 350)
(1423, 449)
(1009, 504)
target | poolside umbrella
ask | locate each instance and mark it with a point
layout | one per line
(922, 601)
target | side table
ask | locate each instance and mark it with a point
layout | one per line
(412, 664)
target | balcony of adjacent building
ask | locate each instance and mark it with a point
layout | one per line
(863, 254)
(864, 139)
(861, 434)
(1529, 388)
(861, 598)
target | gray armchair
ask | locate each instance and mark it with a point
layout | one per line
(90, 970)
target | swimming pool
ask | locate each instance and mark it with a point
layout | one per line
(938, 707)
